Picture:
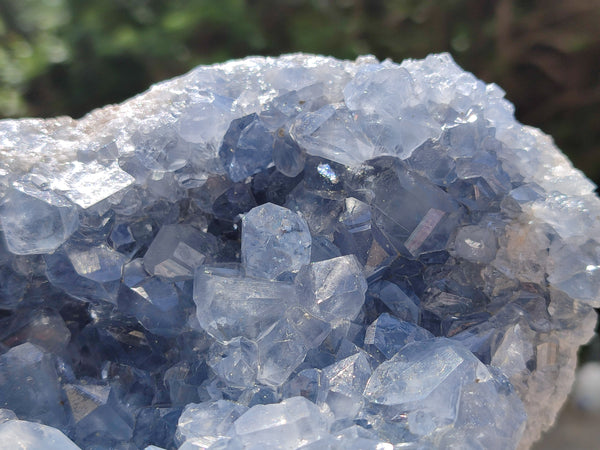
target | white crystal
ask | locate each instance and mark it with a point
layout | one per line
(88, 183)
(333, 289)
(33, 436)
(202, 424)
(287, 425)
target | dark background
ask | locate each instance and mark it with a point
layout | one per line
(70, 56)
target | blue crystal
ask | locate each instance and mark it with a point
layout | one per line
(31, 386)
(247, 147)
(287, 155)
(286, 424)
(177, 250)
(36, 223)
(308, 383)
(74, 268)
(274, 240)
(292, 252)
(229, 307)
(333, 289)
(43, 327)
(344, 384)
(236, 361)
(388, 335)
(159, 306)
(17, 433)
(183, 381)
(204, 423)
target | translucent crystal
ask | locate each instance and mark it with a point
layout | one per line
(385, 94)
(286, 425)
(287, 155)
(231, 306)
(331, 132)
(388, 334)
(333, 289)
(203, 424)
(85, 399)
(206, 119)
(274, 240)
(85, 184)
(345, 381)
(308, 383)
(402, 378)
(443, 391)
(177, 250)
(402, 303)
(476, 244)
(281, 350)
(43, 327)
(31, 386)
(36, 222)
(236, 361)
(283, 346)
(247, 147)
(6, 415)
(158, 305)
(357, 215)
(33, 436)
(100, 263)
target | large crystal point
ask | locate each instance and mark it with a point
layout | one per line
(231, 306)
(236, 361)
(333, 289)
(247, 147)
(274, 240)
(432, 381)
(36, 222)
(286, 425)
(33, 436)
(31, 386)
(345, 381)
(202, 424)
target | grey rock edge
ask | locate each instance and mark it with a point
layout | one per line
(292, 252)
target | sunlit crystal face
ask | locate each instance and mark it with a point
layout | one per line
(327, 172)
(292, 252)
(35, 225)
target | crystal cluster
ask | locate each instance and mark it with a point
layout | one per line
(293, 252)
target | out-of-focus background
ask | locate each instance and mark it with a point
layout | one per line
(69, 56)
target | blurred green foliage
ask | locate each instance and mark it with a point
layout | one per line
(70, 56)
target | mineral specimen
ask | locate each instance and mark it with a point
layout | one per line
(292, 252)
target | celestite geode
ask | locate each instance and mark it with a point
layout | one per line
(292, 252)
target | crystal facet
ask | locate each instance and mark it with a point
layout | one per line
(274, 240)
